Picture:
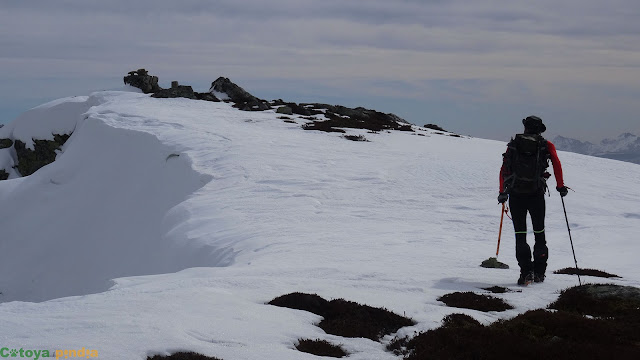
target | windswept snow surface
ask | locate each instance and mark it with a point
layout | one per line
(252, 208)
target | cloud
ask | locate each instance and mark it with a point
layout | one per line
(541, 52)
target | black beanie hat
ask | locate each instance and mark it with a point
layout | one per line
(534, 123)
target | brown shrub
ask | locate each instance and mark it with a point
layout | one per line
(320, 348)
(602, 300)
(542, 334)
(586, 272)
(499, 290)
(345, 318)
(470, 300)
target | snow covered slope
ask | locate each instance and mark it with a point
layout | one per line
(252, 207)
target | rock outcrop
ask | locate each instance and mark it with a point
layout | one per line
(434, 127)
(358, 118)
(299, 109)
(43, 153)
(143, 81)
(224, 89)
(206, 97)
(284, 110)
(183, 91)
(149, 85)
(241, 98)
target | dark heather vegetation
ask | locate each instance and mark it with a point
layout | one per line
(601, 300)
(499, 290)
(610, 331)
(320, 348)
(585, 272)
(182, 356)
(470, 300)
(346, 318)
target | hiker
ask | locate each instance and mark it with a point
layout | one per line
(523, 179)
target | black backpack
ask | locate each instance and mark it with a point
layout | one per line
(526, 162)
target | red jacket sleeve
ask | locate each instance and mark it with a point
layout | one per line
(557, 167)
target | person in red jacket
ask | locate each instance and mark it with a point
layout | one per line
(523, 182)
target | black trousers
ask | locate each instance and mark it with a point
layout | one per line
(533, 204)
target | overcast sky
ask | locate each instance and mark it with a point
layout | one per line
(473, 67)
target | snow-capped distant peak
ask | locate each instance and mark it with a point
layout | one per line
(624, 143)
(625, 147)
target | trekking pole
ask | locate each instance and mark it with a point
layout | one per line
(500, 231)
(572, 250)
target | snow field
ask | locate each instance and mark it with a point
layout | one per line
(252, 208)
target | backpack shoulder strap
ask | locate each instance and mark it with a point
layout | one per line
(543, 148)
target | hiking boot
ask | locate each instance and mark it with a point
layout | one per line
(526, 279)
(538, 278)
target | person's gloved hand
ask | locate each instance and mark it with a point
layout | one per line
(503, 197)
(563, 190)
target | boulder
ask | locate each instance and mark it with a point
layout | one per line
(434, 127)
(6, 143)
(3, 174)
(143, 81)
(242, 99)
(285, 110)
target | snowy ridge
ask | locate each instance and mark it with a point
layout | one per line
(252, 207)
(105, 198)
(62, 117)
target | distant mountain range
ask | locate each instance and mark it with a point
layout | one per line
(625, 147)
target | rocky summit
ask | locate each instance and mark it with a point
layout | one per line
(330, 117)
(143, 81)
(242, 99)
(323, 117)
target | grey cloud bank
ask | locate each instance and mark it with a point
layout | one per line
(473, 67)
